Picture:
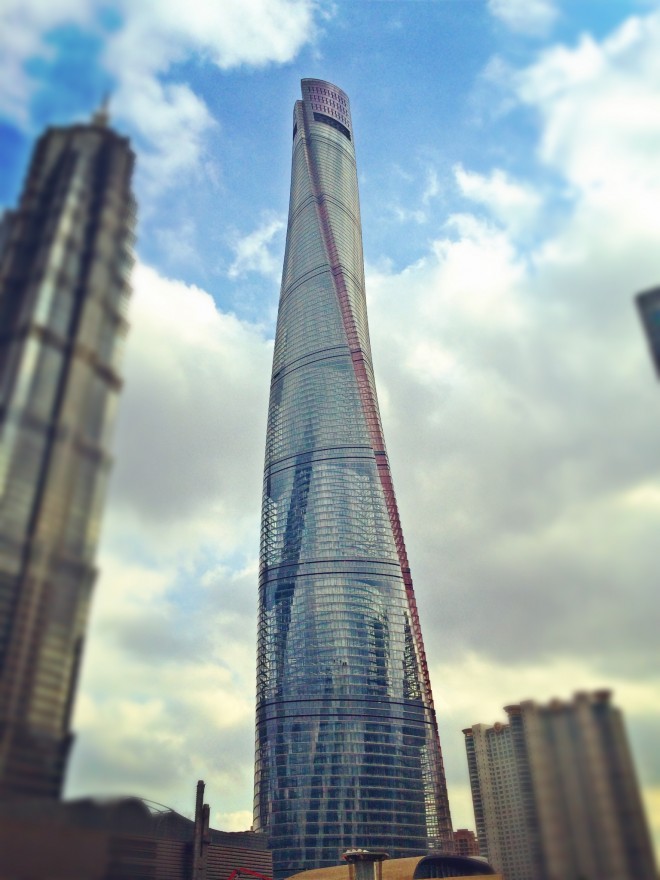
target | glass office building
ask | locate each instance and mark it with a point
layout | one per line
(347, 747)
(65, 258)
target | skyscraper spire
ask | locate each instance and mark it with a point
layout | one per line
(348, 752)
(101, 115)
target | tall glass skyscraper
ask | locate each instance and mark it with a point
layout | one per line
(347, 749)
(65, 258)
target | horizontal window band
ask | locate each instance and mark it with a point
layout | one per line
(323, 268)
(271, 580)
(368, 718)
(312, 452)
(288, 467)
(347, 703)
(337, 348)
(283, 372)
(335, 561)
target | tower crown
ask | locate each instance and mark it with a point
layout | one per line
(101, 115)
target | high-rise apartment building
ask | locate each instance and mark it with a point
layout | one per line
(555, 794)
(64, 268)
(347, 750)
(466, 842)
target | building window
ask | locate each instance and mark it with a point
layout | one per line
(328, 120)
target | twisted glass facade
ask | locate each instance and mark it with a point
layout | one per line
(64, 266)
(347, 749)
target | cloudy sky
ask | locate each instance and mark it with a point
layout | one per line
(510, 184)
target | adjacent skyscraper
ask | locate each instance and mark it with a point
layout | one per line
(555, 793)
(347, 747)
(65, 258)
(648, 305)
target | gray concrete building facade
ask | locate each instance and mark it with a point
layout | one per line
(555, 793)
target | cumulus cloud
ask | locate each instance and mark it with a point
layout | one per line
(597, 105)
(531, 414)
(24, 26)
(514, 204)
(260, 251)
(407, 215)
(259, 32)
(170, 123)
(155, 36)
(431, 188)
(169, 120)
(194, 411)
(527, 381)
(169, 671)
(530, 17)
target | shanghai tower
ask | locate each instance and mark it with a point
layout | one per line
(347, 747)
(65, 259)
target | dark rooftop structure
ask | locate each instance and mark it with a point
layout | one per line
(423, 867)
(125, 838)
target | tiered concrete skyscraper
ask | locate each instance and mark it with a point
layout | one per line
(347, 751)
(555, 793)
(64, 265)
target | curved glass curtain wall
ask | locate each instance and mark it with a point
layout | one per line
(347, 750)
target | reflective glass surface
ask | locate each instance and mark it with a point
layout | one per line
(62, 293)
(347, 751)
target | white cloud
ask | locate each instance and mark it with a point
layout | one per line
(196, 397)
(24, 26)
(432, 187)
(531, 17)
(169, 120)
(156, 35)
(178, 243)
(527, 384)
(482, 704)
(597, 103)
(476, 253)
(169, 671)
(407, 215)
(167, 679)
(652, 804)
(254, 252)
(514, 204)
(239, 820)
(171, 123)
(229, 34)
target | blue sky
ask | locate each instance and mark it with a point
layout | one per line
(507, 156)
